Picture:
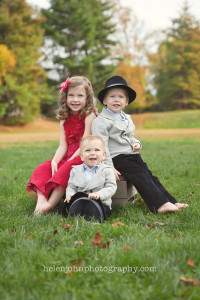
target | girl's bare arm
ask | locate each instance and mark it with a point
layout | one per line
(62, 149)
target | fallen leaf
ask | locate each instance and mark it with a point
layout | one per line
(78, 266)
(141, 201)
(126, 247)
(150, 226)
(29, 236)
(75, 260)
(12, 231)
(47, 282)
(116, 224)
(191, 262)
(69, 273)
(104, 245)
(161, 224)
(189, 281)
(78, 242)
(55, 231)
(97, 241)
(190, 194)
(67, 226)
(47, 238)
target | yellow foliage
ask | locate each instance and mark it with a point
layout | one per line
(7, 61)
(135, 77)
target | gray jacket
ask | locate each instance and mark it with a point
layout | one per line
(118, 137)
(102, 182)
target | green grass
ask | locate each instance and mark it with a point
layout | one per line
(168, 120)
(31, 248)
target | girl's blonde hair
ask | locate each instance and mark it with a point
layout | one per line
(64, 111)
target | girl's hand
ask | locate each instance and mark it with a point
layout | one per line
(93, 196)
(54, 167)
(136, 146)
(117, 173)
(68, 199)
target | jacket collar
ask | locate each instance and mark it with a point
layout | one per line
(122, 126)
(82, 180)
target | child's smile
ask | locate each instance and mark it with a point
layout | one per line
(92, 154)
(76, 98)
(116, 99)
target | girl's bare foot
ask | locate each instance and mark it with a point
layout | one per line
(42, 209)
(181, 205)
(168, 206)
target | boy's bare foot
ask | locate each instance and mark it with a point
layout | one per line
(168, 206)
(181, 205)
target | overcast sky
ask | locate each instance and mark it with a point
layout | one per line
(156, 14)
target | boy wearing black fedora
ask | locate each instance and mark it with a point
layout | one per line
(122, 150)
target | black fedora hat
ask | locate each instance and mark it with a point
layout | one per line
(117, 81)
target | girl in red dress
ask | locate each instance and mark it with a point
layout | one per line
(76, 111)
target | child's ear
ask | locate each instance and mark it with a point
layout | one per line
(127, 102)
(104, 155)
(104, 101)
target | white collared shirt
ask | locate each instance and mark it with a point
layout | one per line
(120, 116)
(89, 172)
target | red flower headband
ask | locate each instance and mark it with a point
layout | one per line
(64, 85)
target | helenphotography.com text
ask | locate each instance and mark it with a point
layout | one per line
(106, 269)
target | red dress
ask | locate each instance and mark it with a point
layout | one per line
(42, 178)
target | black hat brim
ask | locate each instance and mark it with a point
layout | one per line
(131, 92)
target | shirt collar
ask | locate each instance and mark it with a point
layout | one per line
(120, 116)
(86, 168)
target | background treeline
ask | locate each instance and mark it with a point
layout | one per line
(96, 39)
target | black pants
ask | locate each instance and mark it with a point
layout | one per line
(136, 171)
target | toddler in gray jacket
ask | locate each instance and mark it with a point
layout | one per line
(122, 149)
(93, 177)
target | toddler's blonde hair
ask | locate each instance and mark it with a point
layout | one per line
(91, 138)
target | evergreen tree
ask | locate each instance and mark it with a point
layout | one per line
(80, 34)
(177, 65)
(22, 87)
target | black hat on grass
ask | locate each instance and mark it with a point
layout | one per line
(117, 81)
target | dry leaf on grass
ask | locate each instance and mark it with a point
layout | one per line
(97, 241)
(69, 273)
(191, 194)
(191, 262)
(77, 260)
(29, 236)
(150, 226)
(189, 281)
(126, 247)
(79, 242)
(12, 231)
(116, 224)
(67, 226)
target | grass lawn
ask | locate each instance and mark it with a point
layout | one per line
(147, 254)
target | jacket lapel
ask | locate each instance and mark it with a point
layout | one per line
(96, 179)
(121, 126)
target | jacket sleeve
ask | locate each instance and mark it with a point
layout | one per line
(110, 186)
(133, 139)
(71, 187)
(99, 129)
